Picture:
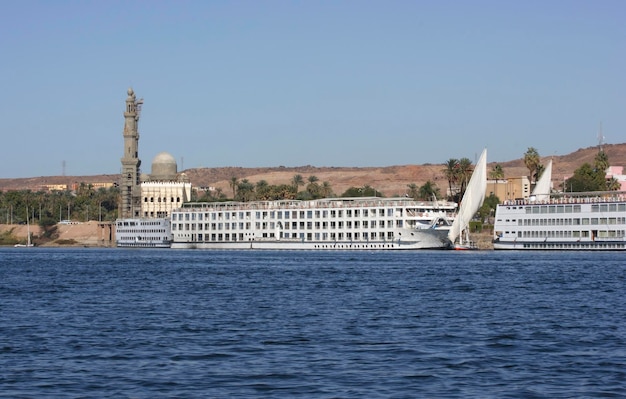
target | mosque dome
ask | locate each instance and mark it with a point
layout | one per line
(164, 167)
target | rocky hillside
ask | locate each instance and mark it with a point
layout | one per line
(390, 180)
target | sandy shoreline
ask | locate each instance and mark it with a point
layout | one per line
(87, 234)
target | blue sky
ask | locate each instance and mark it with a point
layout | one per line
(322, 83)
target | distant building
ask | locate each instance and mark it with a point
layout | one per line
(54, 187)
(510, 188)
(164, 189)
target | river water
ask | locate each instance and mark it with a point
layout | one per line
(109, 323)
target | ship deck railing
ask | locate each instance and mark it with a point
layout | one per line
(358, 202)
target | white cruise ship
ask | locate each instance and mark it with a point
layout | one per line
(575, 221)
(143, 233)
(323, 224)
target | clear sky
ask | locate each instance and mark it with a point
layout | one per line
(322, 83)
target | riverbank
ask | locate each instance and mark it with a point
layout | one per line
(87, 234)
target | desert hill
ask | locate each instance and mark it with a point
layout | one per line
(390, 180)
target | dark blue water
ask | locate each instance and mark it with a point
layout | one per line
(113, 323)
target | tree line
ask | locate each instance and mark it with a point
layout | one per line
(588, 177)
(48, 208)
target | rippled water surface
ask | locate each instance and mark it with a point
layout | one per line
(94, 323)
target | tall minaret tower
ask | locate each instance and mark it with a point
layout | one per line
(130, 188)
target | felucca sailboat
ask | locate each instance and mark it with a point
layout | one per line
(473, 199)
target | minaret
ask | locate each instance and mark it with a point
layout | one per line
(130, 188)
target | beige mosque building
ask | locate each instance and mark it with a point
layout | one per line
(164, 189)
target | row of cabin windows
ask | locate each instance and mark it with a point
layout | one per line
(575, 208)
(140, 223)
(118, 231)
(570, 221)
(290, 226)
(571, 234)
(389, 212)
(301, 236)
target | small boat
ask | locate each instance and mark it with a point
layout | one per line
(29, 242)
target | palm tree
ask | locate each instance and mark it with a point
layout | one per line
(450, 172)
(262, 190)
(428, 190)
(464, 172)
(313, 188)
(496, 174)
(326, 190)
(245, 191)
(297, 181)
(234, 182)
(531, 160)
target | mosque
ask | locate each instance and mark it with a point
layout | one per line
(152, 195)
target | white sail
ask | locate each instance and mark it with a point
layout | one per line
(542, 189)
(472, 199)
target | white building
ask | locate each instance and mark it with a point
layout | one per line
(164, 189)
